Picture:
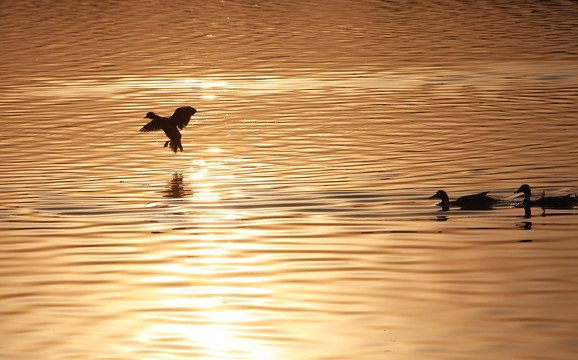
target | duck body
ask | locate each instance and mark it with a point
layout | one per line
(170, 125)
(550, 202)
(479, 201)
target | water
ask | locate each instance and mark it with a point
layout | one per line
(296, 224)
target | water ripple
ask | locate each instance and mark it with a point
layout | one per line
(297, 223)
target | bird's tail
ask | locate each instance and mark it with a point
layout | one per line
(175, 145)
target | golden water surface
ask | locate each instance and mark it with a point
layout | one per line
(296, 224)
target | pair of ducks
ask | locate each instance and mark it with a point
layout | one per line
(482, 201)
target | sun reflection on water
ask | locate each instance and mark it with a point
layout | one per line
(203, 192)
(210, 290)
(221, 322)
(210, 341)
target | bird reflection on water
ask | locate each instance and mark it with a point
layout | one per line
(176, 189)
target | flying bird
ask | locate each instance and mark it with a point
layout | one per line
(170, 125)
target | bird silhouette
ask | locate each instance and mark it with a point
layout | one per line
(479, 201)
(551, 202)
(170, 125)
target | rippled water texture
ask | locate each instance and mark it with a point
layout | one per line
(296, 224)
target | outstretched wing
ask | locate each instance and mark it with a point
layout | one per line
(182, 116)
(153, 125)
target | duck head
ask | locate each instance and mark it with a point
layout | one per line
(151, 115)
(443, 196)
(440, 194)
(527, 194)
(524, 189)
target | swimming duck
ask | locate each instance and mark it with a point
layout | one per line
(479, 201)
(169, 125)
(552, 202)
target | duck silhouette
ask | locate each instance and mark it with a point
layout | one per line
(479, 201)
(551, 202)
(170, 125)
